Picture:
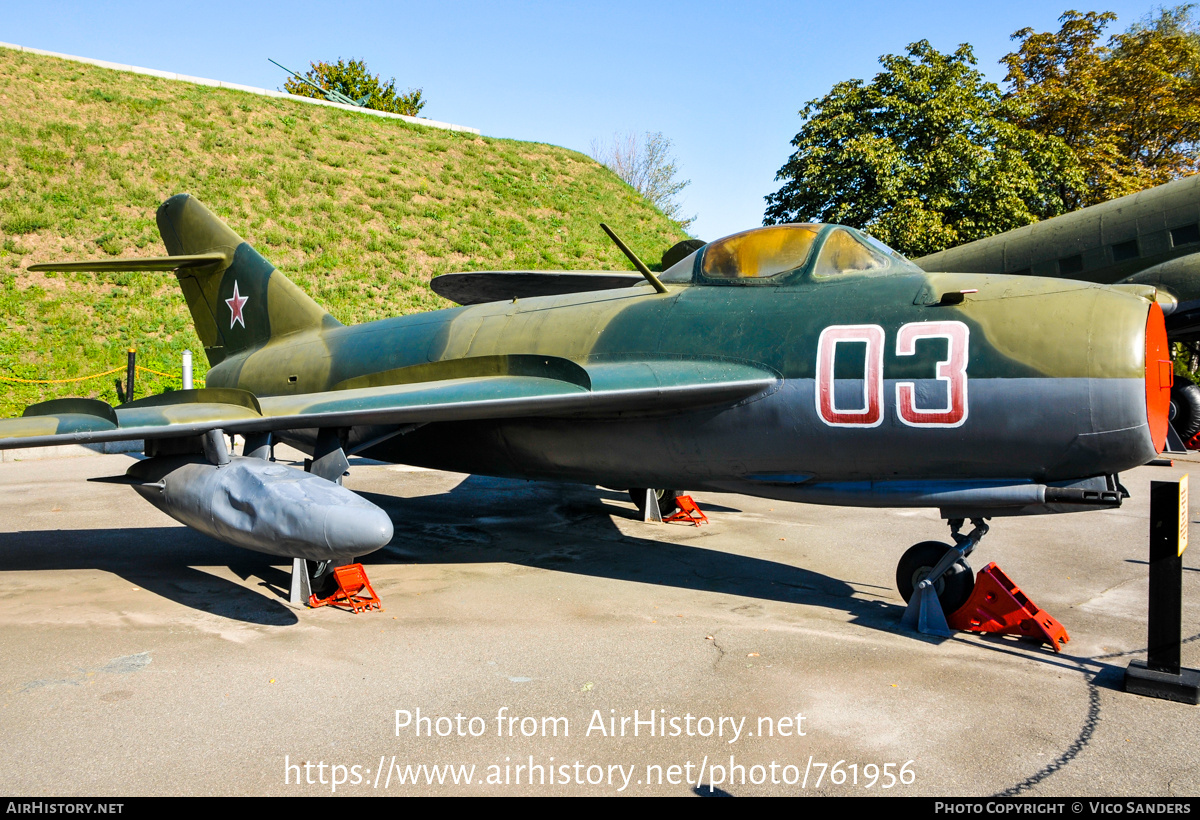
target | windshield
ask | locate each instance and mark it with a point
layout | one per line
(843, 252)
(848, 251)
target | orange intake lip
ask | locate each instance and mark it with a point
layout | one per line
(1160, 375)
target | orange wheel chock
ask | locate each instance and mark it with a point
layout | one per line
(998, 605)
(351, 583)
(688, 512)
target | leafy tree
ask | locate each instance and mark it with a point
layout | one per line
(354, 80)
(1128, 109)
(924, 157)
(648, 166)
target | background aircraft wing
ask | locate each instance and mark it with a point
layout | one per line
(475, 287)
(564, 389)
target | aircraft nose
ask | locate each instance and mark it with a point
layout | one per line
(1160, 375)
(1094, 363)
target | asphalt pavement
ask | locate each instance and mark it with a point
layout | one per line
(540, 639)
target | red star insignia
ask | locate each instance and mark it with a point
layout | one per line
(235, 307)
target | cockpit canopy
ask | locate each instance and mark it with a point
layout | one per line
(778, 252)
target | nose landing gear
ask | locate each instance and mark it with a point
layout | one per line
(934, 577)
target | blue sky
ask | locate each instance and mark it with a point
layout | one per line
(723, 81)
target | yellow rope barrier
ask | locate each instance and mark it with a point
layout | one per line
(61, 381)
(159, 372)
(85, 378)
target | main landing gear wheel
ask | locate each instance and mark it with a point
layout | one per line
(1185, 408)
(953, 588)
(666, 501)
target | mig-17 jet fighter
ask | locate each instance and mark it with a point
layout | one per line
(799, 362)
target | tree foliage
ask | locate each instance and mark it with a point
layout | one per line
(648, 166)
(352, 78)
(1129, 109)
(923, 157)
(929, 155)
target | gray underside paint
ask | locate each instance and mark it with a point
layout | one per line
(1061, 429)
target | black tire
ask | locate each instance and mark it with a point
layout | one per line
(953, 588)
(666, 501)
(322, 582)
(1185, 408)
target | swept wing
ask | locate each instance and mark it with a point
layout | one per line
(563, 389)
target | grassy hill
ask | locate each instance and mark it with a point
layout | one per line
(359, 211)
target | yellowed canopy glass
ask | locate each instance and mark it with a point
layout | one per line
(843, 253)
(759, 253)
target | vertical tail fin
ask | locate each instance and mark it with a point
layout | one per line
(239, 303)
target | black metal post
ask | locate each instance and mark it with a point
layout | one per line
(130, 373)
(1160, 675)
(1168, 539)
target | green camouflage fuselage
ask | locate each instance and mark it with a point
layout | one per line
(1055, 380)
(800, 362)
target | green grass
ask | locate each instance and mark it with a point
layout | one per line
(359, 211)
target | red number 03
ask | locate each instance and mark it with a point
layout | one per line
(952, 371)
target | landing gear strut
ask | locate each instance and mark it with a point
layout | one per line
(936, 581)
(935, 578)
(664, 501)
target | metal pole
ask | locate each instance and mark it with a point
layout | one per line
(1161, 675)
(1168, 539)
(130, 373)
(187, 370)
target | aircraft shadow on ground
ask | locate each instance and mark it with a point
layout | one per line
(485, 520)
(482, 520)
(162, 560)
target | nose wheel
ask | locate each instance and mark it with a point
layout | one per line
(664, 501)
(953, 587)
(941, 591)
(934, 578)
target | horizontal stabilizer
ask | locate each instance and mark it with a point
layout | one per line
(477, 287)
(63, 417)
(145, 263)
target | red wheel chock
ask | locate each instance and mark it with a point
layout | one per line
(998, 605)
(351, 581)
(688, 512)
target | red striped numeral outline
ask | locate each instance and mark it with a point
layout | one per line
(872, 413)
(952, 370)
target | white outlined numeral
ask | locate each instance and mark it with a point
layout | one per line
(952, 371)
(871, 415)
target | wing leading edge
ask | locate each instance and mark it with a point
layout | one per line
(612, 388)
